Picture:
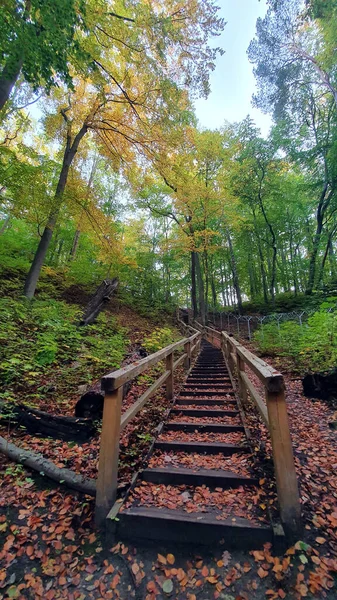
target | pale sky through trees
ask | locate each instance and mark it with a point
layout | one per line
(232, 82)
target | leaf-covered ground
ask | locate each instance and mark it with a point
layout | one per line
(51, 550)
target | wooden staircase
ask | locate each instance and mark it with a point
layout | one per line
(199, 485)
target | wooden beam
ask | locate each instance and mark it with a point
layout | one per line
(138, 405)
(108, 456)
(170, 379)
(179, 360)
(255, 396)
(286, 480)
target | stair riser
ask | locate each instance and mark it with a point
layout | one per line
(210, 480)
(209, 448)
(194, 412)
(217, 534)
(203, 428)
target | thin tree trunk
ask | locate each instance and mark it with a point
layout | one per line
(194, 285)
(8, 79)
(35, 269)
(234, 271)
(5, 225)
(223, 293)
(201, 289)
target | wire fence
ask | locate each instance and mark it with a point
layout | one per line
(245, 325)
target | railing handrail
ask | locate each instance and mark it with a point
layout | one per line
(117, 378)
(114, 421)
(274, 414)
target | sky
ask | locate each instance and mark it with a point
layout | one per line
(232, 82)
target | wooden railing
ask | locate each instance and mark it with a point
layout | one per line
(114, 421)
(274, 414)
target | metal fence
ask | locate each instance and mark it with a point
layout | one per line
(245, 325)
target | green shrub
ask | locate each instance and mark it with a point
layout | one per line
(159, 338)
(311, 346)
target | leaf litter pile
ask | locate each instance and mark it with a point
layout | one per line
(220, 420)
(237, 463)
(195, 436)
(50, 549)
(243, 501)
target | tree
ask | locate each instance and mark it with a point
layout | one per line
(37, 39)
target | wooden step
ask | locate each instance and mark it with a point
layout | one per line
(209, 477)
(200, 385)
(202, 447)
(203, 427)
(183, 400)
(195, 528)
(207, 412)
(187, 392)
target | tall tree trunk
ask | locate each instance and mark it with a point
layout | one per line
(323, 205)
(194, 285)
(78, 230)
(201, 289)
(223, 292)
(332, 261)
(8, 79)
(35, 269)
(5, 225)
(234, 271)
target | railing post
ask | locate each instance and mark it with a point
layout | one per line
(286, 480)
(240, 364)
(170, 379)
(106, 491)
(230, 360)
(187, 350)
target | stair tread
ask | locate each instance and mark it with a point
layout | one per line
(201, 472)
(195, 518)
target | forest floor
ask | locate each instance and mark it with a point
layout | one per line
(51, 550)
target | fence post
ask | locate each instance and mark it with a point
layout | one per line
(170, 380)
(240, 364)
(106, 490)
(286, 480)
(187, 350)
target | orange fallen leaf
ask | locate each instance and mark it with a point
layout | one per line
(262, 573)
(204, 571)
(161, 559)
(170, 559)
(320, 540)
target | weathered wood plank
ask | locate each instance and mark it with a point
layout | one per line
(138, 405)
(116, 379)
(255, 396)
(106, 491)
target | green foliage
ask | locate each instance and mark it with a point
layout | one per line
(159, 338)
(311, 346)
(41, 340)
(45, 31)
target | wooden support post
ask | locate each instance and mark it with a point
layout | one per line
(187, 350)
(240, 367)
(106, 490)
(229, 358)
(170, 380)
(286, 480)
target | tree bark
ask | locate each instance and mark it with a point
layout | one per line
(35, 269)
(194, 285)
(47, 468)
(8, 79)
(234, 271)
(102, 295)
(201, 289)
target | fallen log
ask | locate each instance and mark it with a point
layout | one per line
(45, 424)
(100, 298)
(47, 468)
